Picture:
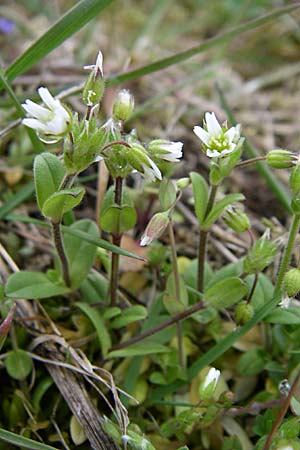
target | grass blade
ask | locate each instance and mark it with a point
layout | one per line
(21, 441)
(274, 184)
(72, 21)
(23, 194)
(81, 234)
(212, 42)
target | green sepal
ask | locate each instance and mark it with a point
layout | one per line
(117, 219)
(62, 201)
(48, 174)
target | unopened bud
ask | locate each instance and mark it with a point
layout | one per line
(291, 282)
(281, 159)
(236, 219)
(208, 385)
(182, 183)
(123, 106)
(261, 254)
(243, 313)
(155, 228)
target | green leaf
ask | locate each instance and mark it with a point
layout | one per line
(77, 432)
(289, 316)
(252, 362)
(71, 22)
(17, 199)
(31, 285)
(81, 254)
(129, 315)
(48, 175)
(60, 202)
(167, 194)
(225, 293)
(219, 207)
(40, 391)
(200, 192)
(142, 348)
(18, 364)
(171, 303)
(117, 219)
(21, 441)
(94, 288)
(95, 317)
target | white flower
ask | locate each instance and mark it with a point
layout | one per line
(97, 68)
(167, 150)
(285, 302)
(212, 377)
(151, 171)
(51, 119)
(217, 140)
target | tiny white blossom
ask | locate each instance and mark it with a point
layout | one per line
(212, 377)
(51, 119)
(97, 68)
(151, 171)
(285, 302)
(218, 141)
(167, 150)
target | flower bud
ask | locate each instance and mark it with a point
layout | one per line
(123, 106)
(295, 180)
(182, 183)
(236, 219)
(94, 87)
(155, 228)
(166, 150)
(281, 159)
(208, 385)
(291, 282)
(243, 313)
(261, 254)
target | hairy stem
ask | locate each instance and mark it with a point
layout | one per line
(203, 240)
(288, 251)
(162, 326)
(251, 161)
(57, 237)
(116, 238)
(177, 291)
(253, 288)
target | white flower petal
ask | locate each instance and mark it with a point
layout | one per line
(230, 134)
(202, 134)
(99, 63)
(47, 98)
(155, 169)
(37, 111)
(213, 126)
(145, 240)
(35, 124)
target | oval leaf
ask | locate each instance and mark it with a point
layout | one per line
(200, 191)
(18, 364)
(60, 202)
(48, 174)
(219, 208)
(117, 219)
(32, 285)
(225, 293)
(129, 315)
(287, 316)
(81, 254)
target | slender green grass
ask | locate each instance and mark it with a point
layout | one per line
(23, 442)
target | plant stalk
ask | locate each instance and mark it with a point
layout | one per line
(203, 240)
(288, 251)
(282, 412)
(58, 242)
(177, 291)
(116, 239)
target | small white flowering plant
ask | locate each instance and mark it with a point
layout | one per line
(177, 316)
